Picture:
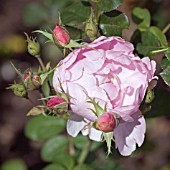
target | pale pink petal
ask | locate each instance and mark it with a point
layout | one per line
(87, 80)
(94, 54)
(126, 112)
(75, 124)
(128, 134)
(70, 59)
(79, 104)
(95, 134)
(111, 90)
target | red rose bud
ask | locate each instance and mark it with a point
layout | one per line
(36, 81)
(106, 122)
(26, 76)
(31, 81)
(57, 104)
(61, 35)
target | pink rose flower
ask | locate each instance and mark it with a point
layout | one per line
(106, 122)
(61, 34)
(107, 71)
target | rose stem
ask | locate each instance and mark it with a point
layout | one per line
(44, 70)
(84, 152)
(166, 29)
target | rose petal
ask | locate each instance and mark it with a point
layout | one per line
(128, 134)
(75, 124)
(79, 105)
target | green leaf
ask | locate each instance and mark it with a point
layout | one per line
(160, 105)
(80, 141)
(74, 33)
(46, 34)
(109, 5)
(65, 160)
(75, 14)
(54, 147)
(142, 18)
(43, 77)
(82, 167)
(113, 23)
(43, 127)
(167, 54)
(46, 89)
(166, 75)
(14, 164)
(34, 14)
(37, 110)
(54, 167)
(149, 42)
(165, 63)
(160, 36)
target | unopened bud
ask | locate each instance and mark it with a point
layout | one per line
(33, 46)
(61, 35)
(19, 90)
(57, 104)
(91, 27)
(149, 96)
(106, 122)
(31, 81)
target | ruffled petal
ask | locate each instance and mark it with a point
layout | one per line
(128, 134)
(79, 104)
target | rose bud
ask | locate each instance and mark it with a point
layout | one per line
(61, 35)
(33, 46)
(106, 122)
(31, 81)
(19, 90)
(57, 104)
(91, 27)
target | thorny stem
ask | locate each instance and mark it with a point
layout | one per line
(44, 70)
(42, 96)
(166, 29)
(41, 63)
(84, 152)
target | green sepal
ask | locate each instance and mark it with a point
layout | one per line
(149, 95)
(98, 110)
(108, 137)
(45, 33)
(18, 72)
(19, 90)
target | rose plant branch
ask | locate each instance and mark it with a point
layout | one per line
(85, 151)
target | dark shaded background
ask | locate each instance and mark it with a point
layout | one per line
(155, 154)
